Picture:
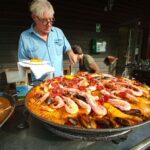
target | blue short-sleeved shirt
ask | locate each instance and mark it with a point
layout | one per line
(31, 45)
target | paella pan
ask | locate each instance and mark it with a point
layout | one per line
(90, 103)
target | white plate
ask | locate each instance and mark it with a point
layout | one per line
(35, 63)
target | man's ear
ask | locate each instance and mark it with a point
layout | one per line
(33, 17)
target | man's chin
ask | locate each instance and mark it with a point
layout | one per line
(47, 30)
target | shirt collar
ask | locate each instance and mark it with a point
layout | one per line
(32, 28)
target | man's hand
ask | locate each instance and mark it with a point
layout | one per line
(72, 57)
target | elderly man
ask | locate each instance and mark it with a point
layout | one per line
(44, 41)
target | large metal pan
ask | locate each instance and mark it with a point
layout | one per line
(74, 130)
(12, 101)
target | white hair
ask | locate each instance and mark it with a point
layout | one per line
(41, 7)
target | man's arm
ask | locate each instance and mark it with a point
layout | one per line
(21, 50)
(72, 56)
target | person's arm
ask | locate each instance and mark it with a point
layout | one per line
(92, 64)
(67, 49)
(72, 56)
(95, 67)
(21, 50)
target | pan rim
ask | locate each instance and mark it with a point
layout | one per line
(12, 101)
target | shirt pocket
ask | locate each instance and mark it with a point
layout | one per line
(34, 52)
(33, 48)
(59, 46)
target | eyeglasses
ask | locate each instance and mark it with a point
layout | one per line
(46, 21)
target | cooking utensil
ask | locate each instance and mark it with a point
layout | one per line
(12, 101)
(81, 131)
(84, 136)
(3, 110)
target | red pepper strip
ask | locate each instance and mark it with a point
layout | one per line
(99, 87)
(122, 94)
(103, 100)
(49, 80)
(82, 88)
